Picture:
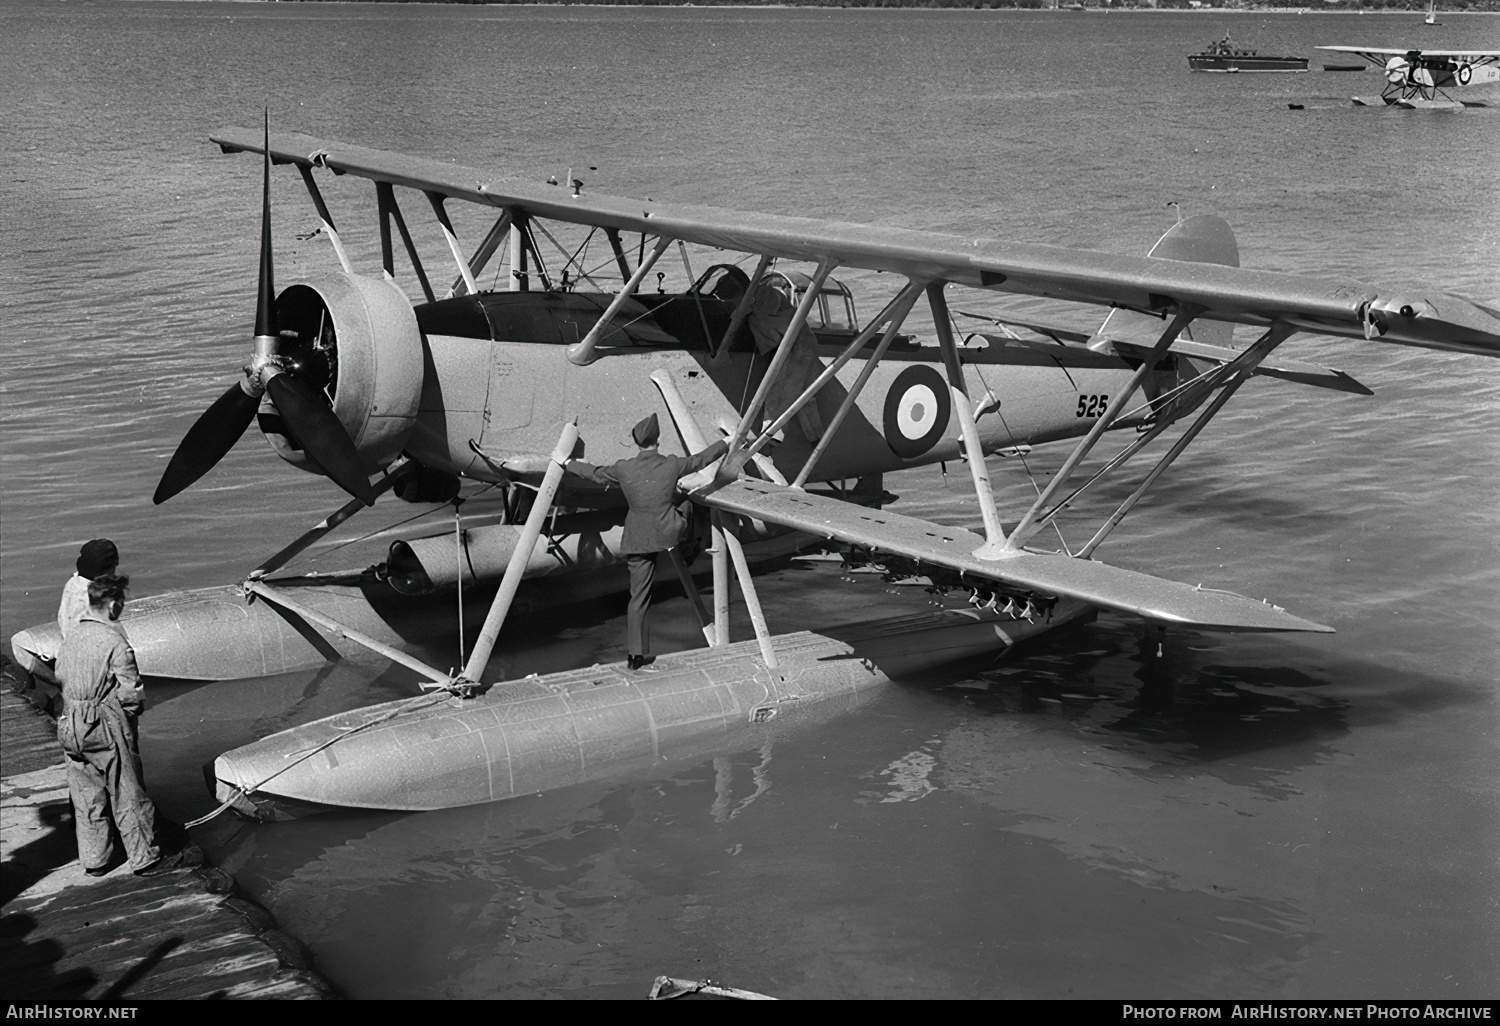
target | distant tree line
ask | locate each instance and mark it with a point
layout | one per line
(1249, 5)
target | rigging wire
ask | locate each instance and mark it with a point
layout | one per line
(391, 527)
(1030, 476)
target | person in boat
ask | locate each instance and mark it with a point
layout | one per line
(102, 697)
(770, 316)
(653, 522)
(98, 558)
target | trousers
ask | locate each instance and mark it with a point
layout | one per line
(642, 567)
(104, 781)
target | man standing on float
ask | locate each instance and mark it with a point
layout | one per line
(653, 523)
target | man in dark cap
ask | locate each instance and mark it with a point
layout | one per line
(102, 696)
(653, 523)
(98, 558)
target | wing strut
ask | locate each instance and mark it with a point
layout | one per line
(487, 248)
(811, 391)
(1187, 396)
(742, 309)
(582, 353)
(436, 199)
(784, 349)
(326, 217)
(1242, 368)
(898, 309)
(1029, 523)
(391, 210)
(994, 535)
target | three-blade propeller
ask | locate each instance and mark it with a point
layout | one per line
(304, 410)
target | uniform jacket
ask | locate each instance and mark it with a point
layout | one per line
(649, 482)
(75, 602)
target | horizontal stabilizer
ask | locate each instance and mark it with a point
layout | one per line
(1052, 574)
(1272, 367)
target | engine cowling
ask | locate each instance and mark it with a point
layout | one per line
(356, 340)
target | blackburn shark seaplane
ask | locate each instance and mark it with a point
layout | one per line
(348, 378)
(1420, 79)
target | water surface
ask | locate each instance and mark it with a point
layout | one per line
(1241, 817)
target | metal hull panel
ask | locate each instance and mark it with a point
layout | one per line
(532, 735)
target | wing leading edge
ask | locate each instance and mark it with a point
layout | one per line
(1098, 584)
(1402, 51)
(1334, 306)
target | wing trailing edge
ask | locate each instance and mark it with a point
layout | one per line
(1049, 574)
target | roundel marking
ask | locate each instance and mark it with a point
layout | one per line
(1464, 74)
(916, 411)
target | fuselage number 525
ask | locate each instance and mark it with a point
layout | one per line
(1092, 405)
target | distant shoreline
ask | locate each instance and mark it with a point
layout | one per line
(1412, 7)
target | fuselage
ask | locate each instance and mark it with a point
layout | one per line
(499, 387)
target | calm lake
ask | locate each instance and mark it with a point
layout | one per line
(1244, 817)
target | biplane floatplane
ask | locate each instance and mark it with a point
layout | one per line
(348, 378)
(1419, 79)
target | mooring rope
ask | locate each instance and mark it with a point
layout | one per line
(420, 701)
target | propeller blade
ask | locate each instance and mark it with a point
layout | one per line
(322, 434)
(265, 293)
(206, 442)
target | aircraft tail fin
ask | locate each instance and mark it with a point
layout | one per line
(1202, 238)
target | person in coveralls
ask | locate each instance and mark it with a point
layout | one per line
(653, 523)
(101, 692)
(98, 558)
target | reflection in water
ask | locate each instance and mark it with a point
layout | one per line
(908, 776)
(722, 810)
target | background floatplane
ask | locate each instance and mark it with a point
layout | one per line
(1421, 79)
(348, 378)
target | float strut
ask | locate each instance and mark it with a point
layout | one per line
(521, 554)
(721, 582)
(279, 598)
(752, 605)
(690, 589)
(330, 522)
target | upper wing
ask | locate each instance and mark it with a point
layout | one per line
(1402, 51)
(1337, 306)
(1050, 574)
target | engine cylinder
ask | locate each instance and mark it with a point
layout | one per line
(357, 340)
